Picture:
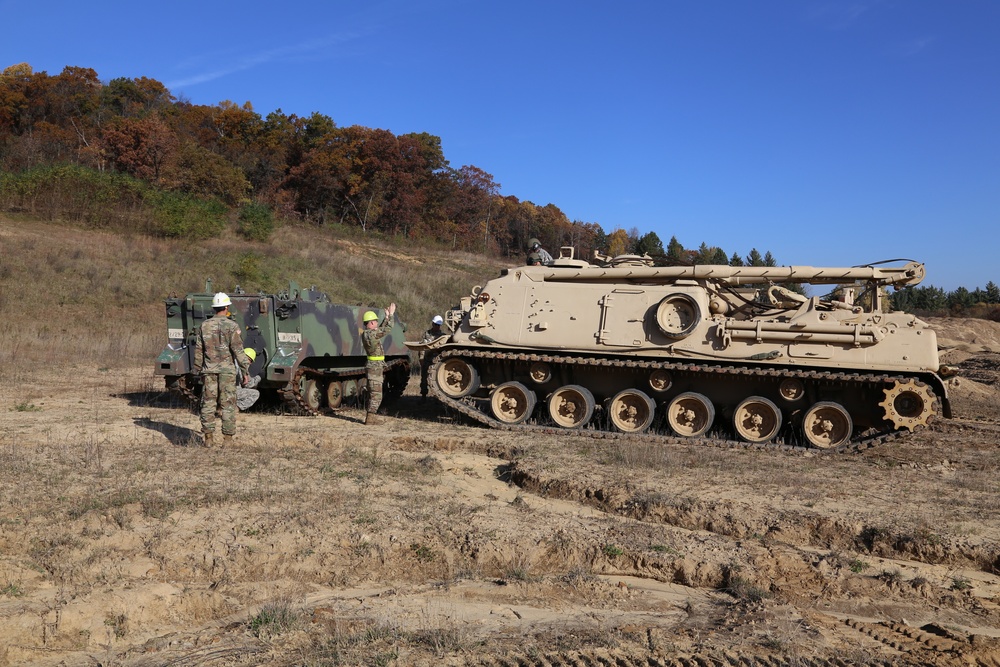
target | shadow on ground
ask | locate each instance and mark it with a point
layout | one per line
(179, 436)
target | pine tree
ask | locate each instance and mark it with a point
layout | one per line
(992, 292)
(675, 251)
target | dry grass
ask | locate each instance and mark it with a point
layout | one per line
(321, 509)
(72, 296)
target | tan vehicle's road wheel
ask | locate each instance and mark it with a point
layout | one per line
(512, 403)
(457, 378)
(690, 414)
(631, 411)
(826, 425)
(659, 380)
(540, 372)
(571, 406)
(757, 419)
(791, 389)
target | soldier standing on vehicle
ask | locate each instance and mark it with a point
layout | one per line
(371, 338)
(430, 336)
(537, 255)
(217, 354)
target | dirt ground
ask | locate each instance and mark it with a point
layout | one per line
(429, 541)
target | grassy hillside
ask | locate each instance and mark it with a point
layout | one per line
(95, 299)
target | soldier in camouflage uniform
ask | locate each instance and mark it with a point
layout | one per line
(537, 255)
(430, 336)
(220, 344)
(371, 338)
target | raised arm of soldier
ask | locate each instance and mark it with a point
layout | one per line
(371, 339)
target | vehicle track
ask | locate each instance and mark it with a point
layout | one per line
(474, 408)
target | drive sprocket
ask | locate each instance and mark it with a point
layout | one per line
(909, 404)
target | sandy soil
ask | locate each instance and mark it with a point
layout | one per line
(429, 541)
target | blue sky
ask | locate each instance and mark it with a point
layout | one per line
(829, 133)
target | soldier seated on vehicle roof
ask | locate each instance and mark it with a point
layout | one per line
(537, 255)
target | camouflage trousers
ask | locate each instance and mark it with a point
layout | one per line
(425, 364)
(376, 373)
(218, 393)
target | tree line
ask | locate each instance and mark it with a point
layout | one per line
(72, 146)
(128, 153)
(305, 169)
(962, 302)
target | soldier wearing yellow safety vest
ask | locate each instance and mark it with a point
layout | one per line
(371, 338)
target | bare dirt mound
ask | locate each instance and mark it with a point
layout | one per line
(428, 541)
(968, 336)
(972, 348)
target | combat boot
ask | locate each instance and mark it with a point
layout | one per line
(371, 419)
(207, 437)
(227, 439)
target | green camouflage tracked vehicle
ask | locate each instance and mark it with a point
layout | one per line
(308, 350)
(714, 354)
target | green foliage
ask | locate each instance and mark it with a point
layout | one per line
(858, 566)
(76, 194)
(202, 173)
(255, 222)
(919, 299)
(664, 549)
(649, 244)
(613, 550)
(960, 584)
(113, 200)
(422, 552)
(12, 591)
(248, 269)
(273, 618)
(183, 216)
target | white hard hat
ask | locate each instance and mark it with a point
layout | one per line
(221, 299)
(437, 319)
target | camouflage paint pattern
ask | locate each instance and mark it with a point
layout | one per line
(299, 327)
(219, 393)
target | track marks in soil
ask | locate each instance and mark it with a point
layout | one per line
(868, 573)
(743, 521)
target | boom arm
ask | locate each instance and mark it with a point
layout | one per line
(911, 273)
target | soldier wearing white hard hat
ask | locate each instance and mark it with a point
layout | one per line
(429, 336)
(217, 355)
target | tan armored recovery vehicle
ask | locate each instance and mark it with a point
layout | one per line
(719, 353)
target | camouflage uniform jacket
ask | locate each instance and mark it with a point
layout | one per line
(372, 340)
(540, 257)
(220, 341)
(431, 335)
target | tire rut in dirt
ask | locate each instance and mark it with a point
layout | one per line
(734, 521)
(907, 639)
(616, 659)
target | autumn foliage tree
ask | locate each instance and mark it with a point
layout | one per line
(226, 161)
